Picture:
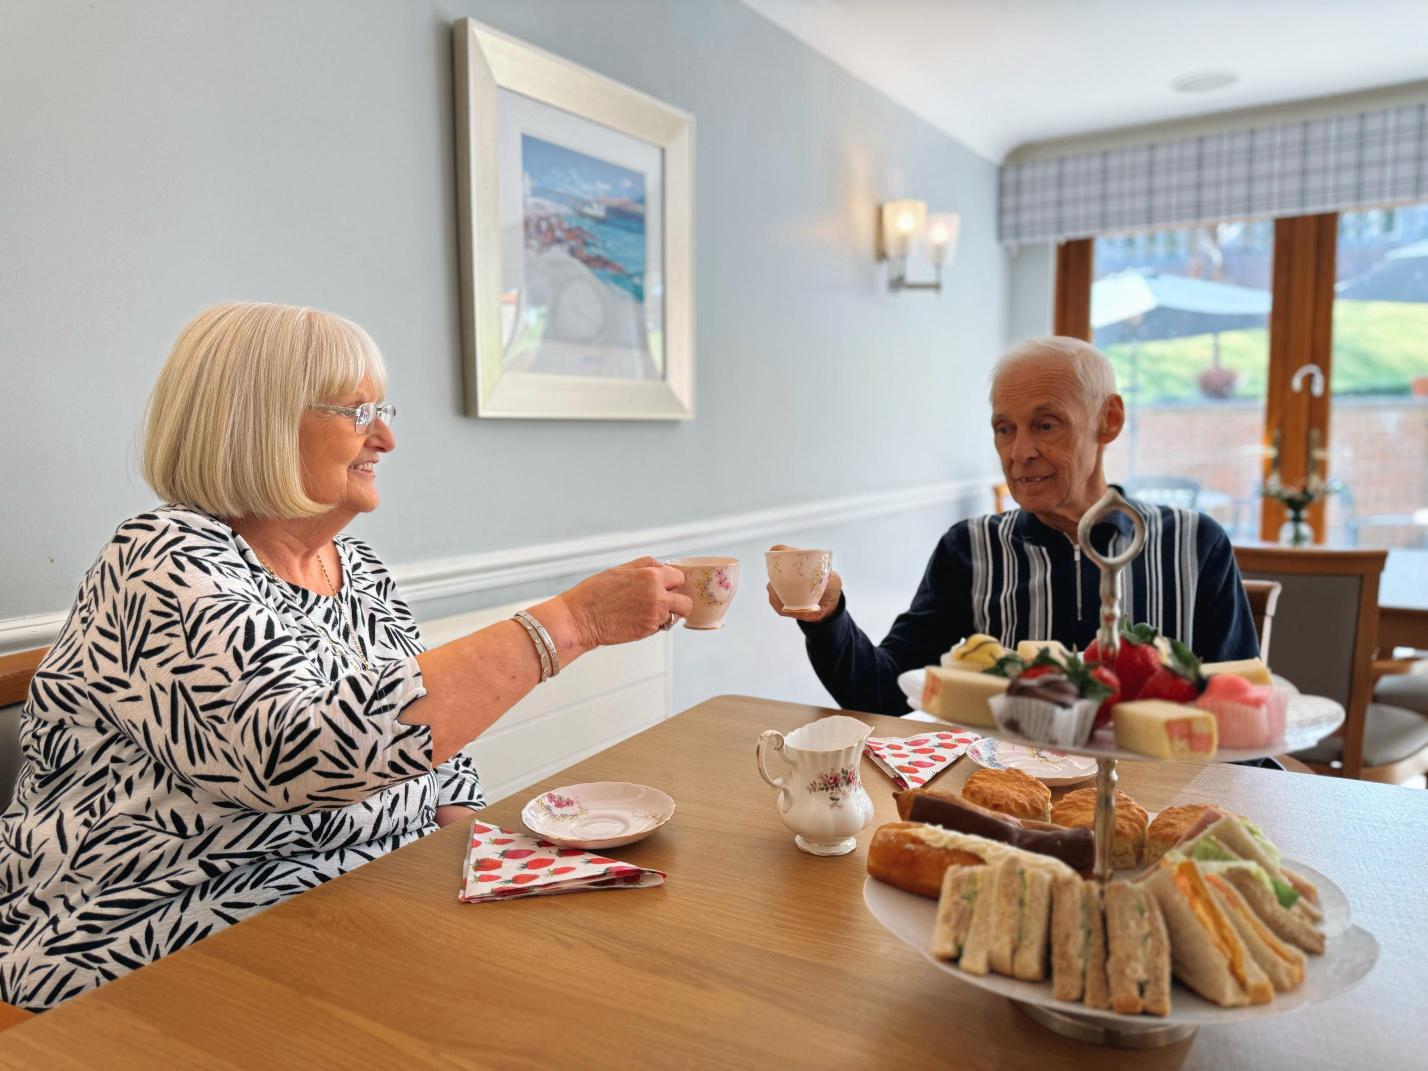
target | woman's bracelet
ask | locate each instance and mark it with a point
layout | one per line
(544, 645)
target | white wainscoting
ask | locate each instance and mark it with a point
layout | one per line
(595, 702)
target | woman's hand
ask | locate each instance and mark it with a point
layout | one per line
(826, 604)
(628, 602)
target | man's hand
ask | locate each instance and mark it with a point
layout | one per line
(826, 605)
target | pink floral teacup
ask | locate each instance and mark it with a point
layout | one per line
(799, 577)
(710, 584)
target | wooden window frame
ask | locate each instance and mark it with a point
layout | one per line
(1301, 325)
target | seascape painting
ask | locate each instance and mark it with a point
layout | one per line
(585, 308)
(577, 239)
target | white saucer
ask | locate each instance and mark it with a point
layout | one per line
(1051, 767)
(600, 814)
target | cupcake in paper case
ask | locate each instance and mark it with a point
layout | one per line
(1246, 715)
(1048, 709)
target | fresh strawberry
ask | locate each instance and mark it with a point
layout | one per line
(1103, 712)
(1137, 658)
(1179, 680)
(1168, 685)
(1014, 667)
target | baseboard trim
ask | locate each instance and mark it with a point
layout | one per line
(443, 578)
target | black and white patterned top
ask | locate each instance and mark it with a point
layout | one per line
(200, 744)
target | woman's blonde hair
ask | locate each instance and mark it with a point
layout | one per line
(222, 427)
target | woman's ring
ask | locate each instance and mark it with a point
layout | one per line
(670, 623)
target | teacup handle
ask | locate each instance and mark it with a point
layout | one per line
(785, 797)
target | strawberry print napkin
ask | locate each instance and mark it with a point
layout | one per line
(503, 865)
(915, 760)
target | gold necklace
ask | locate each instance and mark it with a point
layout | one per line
(354, 638)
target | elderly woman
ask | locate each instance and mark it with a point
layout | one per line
(239, 706)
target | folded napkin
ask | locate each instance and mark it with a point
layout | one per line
(915, 760)
(503, 865)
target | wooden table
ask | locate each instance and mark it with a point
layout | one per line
(751, 955)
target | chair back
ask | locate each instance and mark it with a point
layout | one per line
(16, 671)
(1263, 597)
(1325, 641)
(1001, 498)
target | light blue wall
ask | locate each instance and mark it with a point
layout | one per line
(163, 155)
(1031, 291)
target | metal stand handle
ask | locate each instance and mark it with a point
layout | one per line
(1109, 641)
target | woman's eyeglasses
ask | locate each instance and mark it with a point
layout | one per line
(362, 415)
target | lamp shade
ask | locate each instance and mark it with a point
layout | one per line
(940, 235)
(902, 222)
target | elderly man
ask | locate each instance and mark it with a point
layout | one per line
(1020, 575)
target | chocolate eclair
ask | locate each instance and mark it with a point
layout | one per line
(1074, 847)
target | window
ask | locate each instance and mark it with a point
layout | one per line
(1379, 377)
(1183, 316)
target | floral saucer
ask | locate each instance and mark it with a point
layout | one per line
(600, 814)
(1052, 768)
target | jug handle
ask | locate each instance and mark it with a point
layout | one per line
(785, 797)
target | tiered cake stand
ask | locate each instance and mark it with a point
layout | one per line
(1123, 1032)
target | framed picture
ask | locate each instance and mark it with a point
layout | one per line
(576, 238)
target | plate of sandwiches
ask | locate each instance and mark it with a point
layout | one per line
(1219, 928)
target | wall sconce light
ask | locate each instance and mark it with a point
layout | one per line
(903, 225)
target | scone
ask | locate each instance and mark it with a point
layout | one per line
(1010, 792)
(1169, 826)
(1078, 809)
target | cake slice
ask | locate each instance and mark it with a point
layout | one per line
(1251, 669)
(1165, 730)
(961, 695)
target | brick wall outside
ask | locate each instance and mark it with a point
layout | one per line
(1379, 449)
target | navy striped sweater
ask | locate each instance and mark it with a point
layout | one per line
(1013, 577)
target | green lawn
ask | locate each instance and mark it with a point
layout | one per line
(1379, 347)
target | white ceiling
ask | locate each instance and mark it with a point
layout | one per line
(1000, 73)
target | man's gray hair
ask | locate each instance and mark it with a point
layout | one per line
(1093, 370)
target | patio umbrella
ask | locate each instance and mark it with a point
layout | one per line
(1146, 305)
(1401, 276)
(1141, 306)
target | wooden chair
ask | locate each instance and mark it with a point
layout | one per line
(1402, 682)
(1263, 597)
(1325, 645)
(16, 670)
(1001, 498)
